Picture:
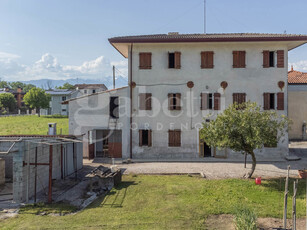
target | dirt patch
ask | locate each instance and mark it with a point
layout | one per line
(225, 222)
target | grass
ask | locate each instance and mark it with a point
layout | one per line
(31, 125)
(173, 202)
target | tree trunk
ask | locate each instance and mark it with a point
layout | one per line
(250, 173)
(38, 112)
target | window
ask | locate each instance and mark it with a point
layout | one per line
(174, 60)
(239, 98)
(64, 98)
(174, 101)
(145, 101)
(114, 113)
(63, 110)
(207, 60)
(268, 101)
(174, 138)
(239, 59)
(268, 58)
(145, 60)
(85, 91)
(206, 101)
(280, 58)
(145, 138)
(94, 91)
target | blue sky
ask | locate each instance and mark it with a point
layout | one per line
(68, 38)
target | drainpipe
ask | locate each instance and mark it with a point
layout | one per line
(131, 100)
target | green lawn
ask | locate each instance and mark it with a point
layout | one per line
(31, 125)
(166, 202)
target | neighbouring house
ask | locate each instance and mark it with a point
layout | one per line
(297, 100)
(90, 88)
(57, 97)
(176, 82)
(18, 94)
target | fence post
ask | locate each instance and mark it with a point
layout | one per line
(286, 198)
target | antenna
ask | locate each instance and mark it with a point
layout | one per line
(204, 16)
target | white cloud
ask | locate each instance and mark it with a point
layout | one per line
(48, 67)
(299, 66)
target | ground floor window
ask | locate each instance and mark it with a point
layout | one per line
(174, 138)
(145, 138)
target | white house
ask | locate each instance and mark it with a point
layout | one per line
(176, 81)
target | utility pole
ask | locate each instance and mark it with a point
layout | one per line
(113, 76)
(286, 198)
(204, 16)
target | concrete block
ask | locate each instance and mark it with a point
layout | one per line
(2, 171)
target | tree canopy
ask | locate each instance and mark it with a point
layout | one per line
(244, 128)
(15, 84)
(66, 86)
(37, 98)
(8, 101)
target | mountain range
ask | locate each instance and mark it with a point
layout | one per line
(108, 81)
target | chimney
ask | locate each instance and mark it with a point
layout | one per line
(291, 67)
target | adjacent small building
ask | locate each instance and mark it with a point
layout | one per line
(297, 100)
(90, 88)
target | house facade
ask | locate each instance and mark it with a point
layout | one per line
(85, 89)
(178, 81)
(297, 88)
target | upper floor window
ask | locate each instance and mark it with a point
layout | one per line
(268, 59)
(64, 98)
(174, 61)
(145, 60)
(174, 101)
(145, 138)
(239, 98)
(94, 90)
(207, 59)
(85, 91)
(269, 101)
(239, 59)
(145, 101)
(210, 101)
(114, 113)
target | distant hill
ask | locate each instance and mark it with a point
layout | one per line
(108, 81)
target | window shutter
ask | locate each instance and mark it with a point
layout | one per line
(266, 101)
(266, 59)
(145, 60)
(242, 59)
(142, 97)
(280, 58)
(217, 97)
(140, 137)
(235, 55)
(177, 60)
(280, 101)
(170, 138)
(204, 101)
(170, 101)
(148, 101)
(148, 60)
(235, 98)
(177, 138)
(142, 61)
(207, 60)
(149, 138)
(242, 98)
(178, 101)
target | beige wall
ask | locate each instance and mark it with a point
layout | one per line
(297, 103)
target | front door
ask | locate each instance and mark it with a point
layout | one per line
(207, 150)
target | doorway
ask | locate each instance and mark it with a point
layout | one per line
(207, 150)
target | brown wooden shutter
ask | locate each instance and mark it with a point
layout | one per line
(207, 60)
(170, 138)
(148, 101)
(177, 60)
(170, 101)
(235, 55)
(149, 138)
(142, 98)
(235, 98)
(217, 97)
(140, 137)
(178, 101)
(280, 101)
(242, 59)
(177, 138)
(266, 59)
(280, 58)
(204, 101)
(145, 60)
(266, 101)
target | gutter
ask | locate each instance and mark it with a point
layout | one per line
(130, 84)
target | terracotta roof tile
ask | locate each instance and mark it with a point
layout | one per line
(297, 77)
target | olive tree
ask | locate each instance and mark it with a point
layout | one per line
(245, 128)
(37, 98)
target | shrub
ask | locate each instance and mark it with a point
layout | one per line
(245, 219)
